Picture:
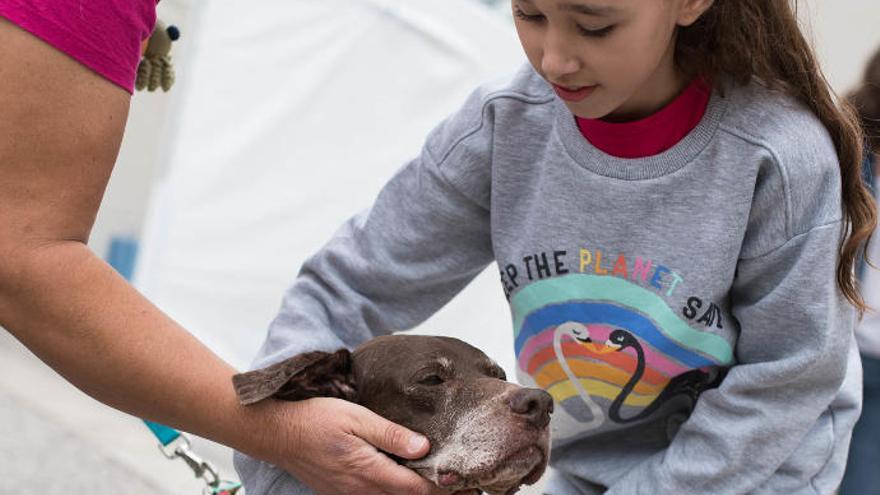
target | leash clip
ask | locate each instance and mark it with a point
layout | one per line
(200, 467)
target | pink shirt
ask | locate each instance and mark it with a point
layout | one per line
(104, 35)
(655, 133)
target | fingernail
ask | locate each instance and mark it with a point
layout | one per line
(416, 442)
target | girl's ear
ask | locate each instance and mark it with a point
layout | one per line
(691, 10)
(307, 375)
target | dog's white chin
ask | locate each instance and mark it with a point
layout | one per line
(496, 456)
(523, 467)
(485, 469)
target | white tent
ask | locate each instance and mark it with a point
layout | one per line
(288, 119)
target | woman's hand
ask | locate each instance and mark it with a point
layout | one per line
(334, 446)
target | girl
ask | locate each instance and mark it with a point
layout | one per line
(674, 204)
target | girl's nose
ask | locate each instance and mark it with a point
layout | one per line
(558, 61)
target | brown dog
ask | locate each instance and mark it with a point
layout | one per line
(485, 433)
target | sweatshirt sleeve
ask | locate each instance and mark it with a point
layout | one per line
(776, 418)
(391, 267)
(796, 331)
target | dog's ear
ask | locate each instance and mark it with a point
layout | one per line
(307, 375)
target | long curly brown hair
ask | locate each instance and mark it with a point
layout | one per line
(761, 39)
(866, 100)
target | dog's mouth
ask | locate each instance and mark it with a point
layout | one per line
(530, 460)
(504, 477)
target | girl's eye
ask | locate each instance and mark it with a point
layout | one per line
(527, 17)
(589, 33)
(596, 33)
(431, 380)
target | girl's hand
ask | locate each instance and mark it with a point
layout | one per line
(333, 446)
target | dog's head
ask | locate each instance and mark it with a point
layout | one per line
(485, 433)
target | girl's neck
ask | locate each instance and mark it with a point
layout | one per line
(664, 85)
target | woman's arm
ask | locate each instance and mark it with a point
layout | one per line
(60, 132)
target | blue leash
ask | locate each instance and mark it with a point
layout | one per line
(182, 449)
(165, 434)
(172, 443)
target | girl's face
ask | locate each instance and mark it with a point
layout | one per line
(607, 58)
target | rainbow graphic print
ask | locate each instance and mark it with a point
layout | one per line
(609, 351)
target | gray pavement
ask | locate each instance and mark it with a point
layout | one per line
(56, 440)
(39, 456)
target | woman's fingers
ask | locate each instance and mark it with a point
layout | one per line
(399, 480)
(388, 436)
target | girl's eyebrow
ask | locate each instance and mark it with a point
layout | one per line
(587, 9)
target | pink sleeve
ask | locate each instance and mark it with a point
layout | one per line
(104, 35)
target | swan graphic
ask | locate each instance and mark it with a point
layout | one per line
(580, 333)
(690, 384)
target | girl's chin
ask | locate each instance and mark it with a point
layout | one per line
(587, 111)
(596, 110)
(591, 108)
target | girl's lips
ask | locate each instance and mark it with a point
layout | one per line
(573, 95)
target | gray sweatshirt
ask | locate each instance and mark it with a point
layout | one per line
(682, 309)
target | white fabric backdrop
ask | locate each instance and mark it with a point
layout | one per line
(288, 119)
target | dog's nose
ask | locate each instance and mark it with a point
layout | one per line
(534, 404)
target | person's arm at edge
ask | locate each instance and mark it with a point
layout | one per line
(61, 130)
(60, 133)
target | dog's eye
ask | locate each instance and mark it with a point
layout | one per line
(431, 380)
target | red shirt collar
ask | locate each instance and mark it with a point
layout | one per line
(655, 133)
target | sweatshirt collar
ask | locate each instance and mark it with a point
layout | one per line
(680, 154)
